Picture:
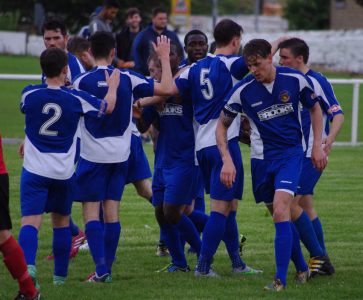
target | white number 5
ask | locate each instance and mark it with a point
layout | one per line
(206, 84)
(57, 114)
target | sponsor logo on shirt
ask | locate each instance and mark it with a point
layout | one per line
(275, 111)
(172, 109)
(284, 96)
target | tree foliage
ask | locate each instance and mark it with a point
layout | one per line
(308, 14)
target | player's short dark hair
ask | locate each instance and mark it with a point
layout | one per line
(111, 3)
(54, 24)
(132, 11)
(77, 45)
(257, 47)
(194, 32)
(158, 10)
(102, 43)
(225, 31)
(297, 47)
(52, 61)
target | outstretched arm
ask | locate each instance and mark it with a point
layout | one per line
(228, 172)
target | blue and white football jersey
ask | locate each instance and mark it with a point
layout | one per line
(108, 140)
(273, 111)
(207, 82)
(329, 105)
(175, 145)
(74, 69)
(52, 115)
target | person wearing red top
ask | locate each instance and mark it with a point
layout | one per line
(13, 255)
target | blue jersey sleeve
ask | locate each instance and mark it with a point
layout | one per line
(141, 86)
(233, 102)
(90, 105)
(239, 68)
(329, 102)
(183, 84)
(308, 97)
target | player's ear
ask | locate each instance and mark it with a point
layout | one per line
(65, 70)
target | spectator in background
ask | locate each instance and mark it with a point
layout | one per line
(103, 21)
(126, 37)
(80, 48)
(142, 44)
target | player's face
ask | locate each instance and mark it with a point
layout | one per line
(87, 60)
(174, 58)
(111, 13)
(54, 39)
(134, 21)
(160, 21)
(287, 59)
(196, 47)
(155, 70)
(261, 68)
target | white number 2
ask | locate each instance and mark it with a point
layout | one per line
(206, 84)
(57, 114)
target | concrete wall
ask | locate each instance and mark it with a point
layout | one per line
(334, 50)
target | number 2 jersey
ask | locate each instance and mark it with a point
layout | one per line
(208, 82)
(52, 115)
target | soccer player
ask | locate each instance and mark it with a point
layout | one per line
(12, 252)
(206, 83)
(294, 53)
(270, 98)
(55, 36)
(174, 171)
(105, 149)
(52, 113)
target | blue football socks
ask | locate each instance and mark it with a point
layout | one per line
(212, 236)
(230, 238)
(174, 244)
(307, 235)
(189, 233)
(62, 240)
(296, 254)
(74, 227)
(283, 246)
(95, 238)
(28, 240)
(111, 237)
(318, 228)
(199, 219)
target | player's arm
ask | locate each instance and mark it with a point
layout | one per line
(165, 87)
(336, 126)
(228, 172)
(113, 81)
(318, 156)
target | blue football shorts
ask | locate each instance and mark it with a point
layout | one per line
(138, 165)
(210, 163)
(308, 179)
(99, 181)
(40, 194)
(271, 175)
(175, 186)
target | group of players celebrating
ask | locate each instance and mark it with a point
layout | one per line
(195, 106)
